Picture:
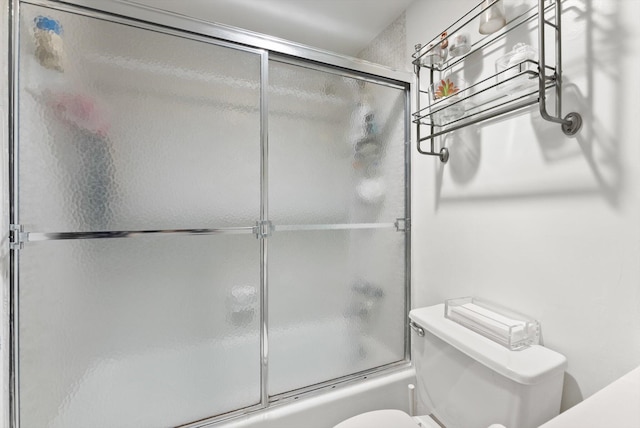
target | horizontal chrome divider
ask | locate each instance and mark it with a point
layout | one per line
(343, 226)
(34, 236)
(59, 236)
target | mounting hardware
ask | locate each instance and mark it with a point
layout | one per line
(574, 125)
(419, 330)
(17, 236)
(444, 155)
(402, 224)
(263, 229)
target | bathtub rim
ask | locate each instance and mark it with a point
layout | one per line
(349, 385)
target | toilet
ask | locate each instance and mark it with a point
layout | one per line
(465, 380)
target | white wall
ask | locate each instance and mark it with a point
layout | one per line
(527, 217)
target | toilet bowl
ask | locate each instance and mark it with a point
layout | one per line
(392, 419)
(380, 418)
(465, 380)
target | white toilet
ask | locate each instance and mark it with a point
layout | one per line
(465, 380)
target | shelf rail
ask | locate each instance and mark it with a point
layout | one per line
(522, 70)
(525, 17)
(548, 77)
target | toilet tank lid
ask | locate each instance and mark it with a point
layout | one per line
(528, 366)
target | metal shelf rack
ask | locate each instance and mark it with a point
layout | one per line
(484, 99)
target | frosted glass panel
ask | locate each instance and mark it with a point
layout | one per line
(123, 128)
(336, 304)
(145, 332)
(336, 148)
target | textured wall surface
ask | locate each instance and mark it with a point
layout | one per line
(389, 47)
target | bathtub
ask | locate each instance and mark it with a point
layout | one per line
(162, 387)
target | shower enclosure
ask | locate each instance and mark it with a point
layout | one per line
(199, 227)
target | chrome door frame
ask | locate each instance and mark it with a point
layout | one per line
(135, 11)
(132, 14)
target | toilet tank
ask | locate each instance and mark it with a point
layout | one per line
(465, 380)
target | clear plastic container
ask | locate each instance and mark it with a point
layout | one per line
(521, 60)
(508, 328)
(447, 99)
(492, 18)
(436, 55)
(459, 44)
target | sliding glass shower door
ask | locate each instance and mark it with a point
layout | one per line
(337, 270)
(147, 144)
(200, 228)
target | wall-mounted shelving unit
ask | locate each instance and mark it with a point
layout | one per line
(488, 97)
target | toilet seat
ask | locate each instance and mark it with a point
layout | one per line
(380, 419)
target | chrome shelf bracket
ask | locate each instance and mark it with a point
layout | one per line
(572, 122)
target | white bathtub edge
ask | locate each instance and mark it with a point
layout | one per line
(325, 409)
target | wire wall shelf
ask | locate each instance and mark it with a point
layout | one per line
(521, 83)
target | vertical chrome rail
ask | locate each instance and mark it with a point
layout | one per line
(443, 154)
(14, 219)
(416, 70)
(572, 123)
(264, 216)
(407, 216)
(558, 27)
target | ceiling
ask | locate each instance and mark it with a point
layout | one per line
(343, 26)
